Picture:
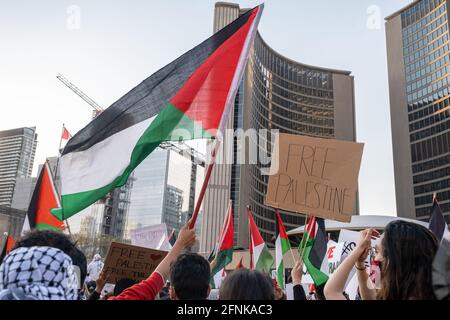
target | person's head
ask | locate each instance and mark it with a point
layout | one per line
(55, 239)
(123, 284)
(406, 252)
(97, 257)
(245, 284)
(189, 277)
(38, 273)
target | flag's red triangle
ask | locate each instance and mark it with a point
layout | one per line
(254, 232)
(65, 134)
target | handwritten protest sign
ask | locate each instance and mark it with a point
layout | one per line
(133, 262)
(149, 237)
(314, 176)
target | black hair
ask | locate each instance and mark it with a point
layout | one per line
(244, 284)
(58, 240)
(123, 284)
(189, 277)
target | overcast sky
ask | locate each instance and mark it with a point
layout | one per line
(108, 47)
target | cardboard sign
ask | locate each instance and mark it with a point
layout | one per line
(128, 261)
(149, 237)
(314, 176)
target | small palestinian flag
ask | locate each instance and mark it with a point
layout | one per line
(43, 200)
(189, 98)
(314, 248)
(282, 246)
(260, 257)
(65, 134)
(9, 245)
(437, 223)
(224, 247)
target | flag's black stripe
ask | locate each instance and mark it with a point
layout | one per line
(319, 248)
(150, 96)
(437, 222)
(31, 213)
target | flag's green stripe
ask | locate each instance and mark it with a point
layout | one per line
(280, 275)
(318, 276)
(161, 129)
(265, 261)
(44, 226)
(285, 245)
(223, 258)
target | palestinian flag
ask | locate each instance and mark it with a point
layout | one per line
(282, 246)
(189, 98)
(9, 245)
(44, 198)
(437, 223)
(314, 248)
(224, 247)
(260, 257)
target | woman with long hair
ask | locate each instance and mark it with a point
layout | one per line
(405, 253)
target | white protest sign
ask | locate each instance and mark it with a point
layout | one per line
(149, 237)
(350, 239)
(289, 291)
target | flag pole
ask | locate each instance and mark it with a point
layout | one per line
(205, 183)
(305, 229)
(250, 267)
(59, 154)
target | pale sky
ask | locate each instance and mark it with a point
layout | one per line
(117, 44)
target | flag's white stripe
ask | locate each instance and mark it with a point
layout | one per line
(278, 251)
(99, 165)
(257, 250)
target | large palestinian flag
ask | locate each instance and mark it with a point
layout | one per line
(224, 246)
(314, 247)
(282, 246)
(187, 99)
(44, 198)
(260, 257)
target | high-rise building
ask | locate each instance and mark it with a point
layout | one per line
(17, 151)
(418, 52)
(276, 93)
(165, 188)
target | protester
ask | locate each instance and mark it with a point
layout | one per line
(296, 275)
(94, 268)
(122, 285)
(149, 288)
(55, 239)
(405, 253)
(99, 285)
(189, 278)
(441, 271)
(245, 284)
(38, 273)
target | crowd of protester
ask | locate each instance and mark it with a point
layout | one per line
(414, 266)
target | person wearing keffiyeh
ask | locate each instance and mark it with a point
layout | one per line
(38, 273)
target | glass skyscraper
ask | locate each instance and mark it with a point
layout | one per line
(281, 94)
(17, 151)
(419, 77)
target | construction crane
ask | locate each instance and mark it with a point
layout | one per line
(97, 109)
(181, 148)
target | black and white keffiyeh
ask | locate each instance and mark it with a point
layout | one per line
(38, 273)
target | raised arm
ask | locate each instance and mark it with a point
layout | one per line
(335, 285)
